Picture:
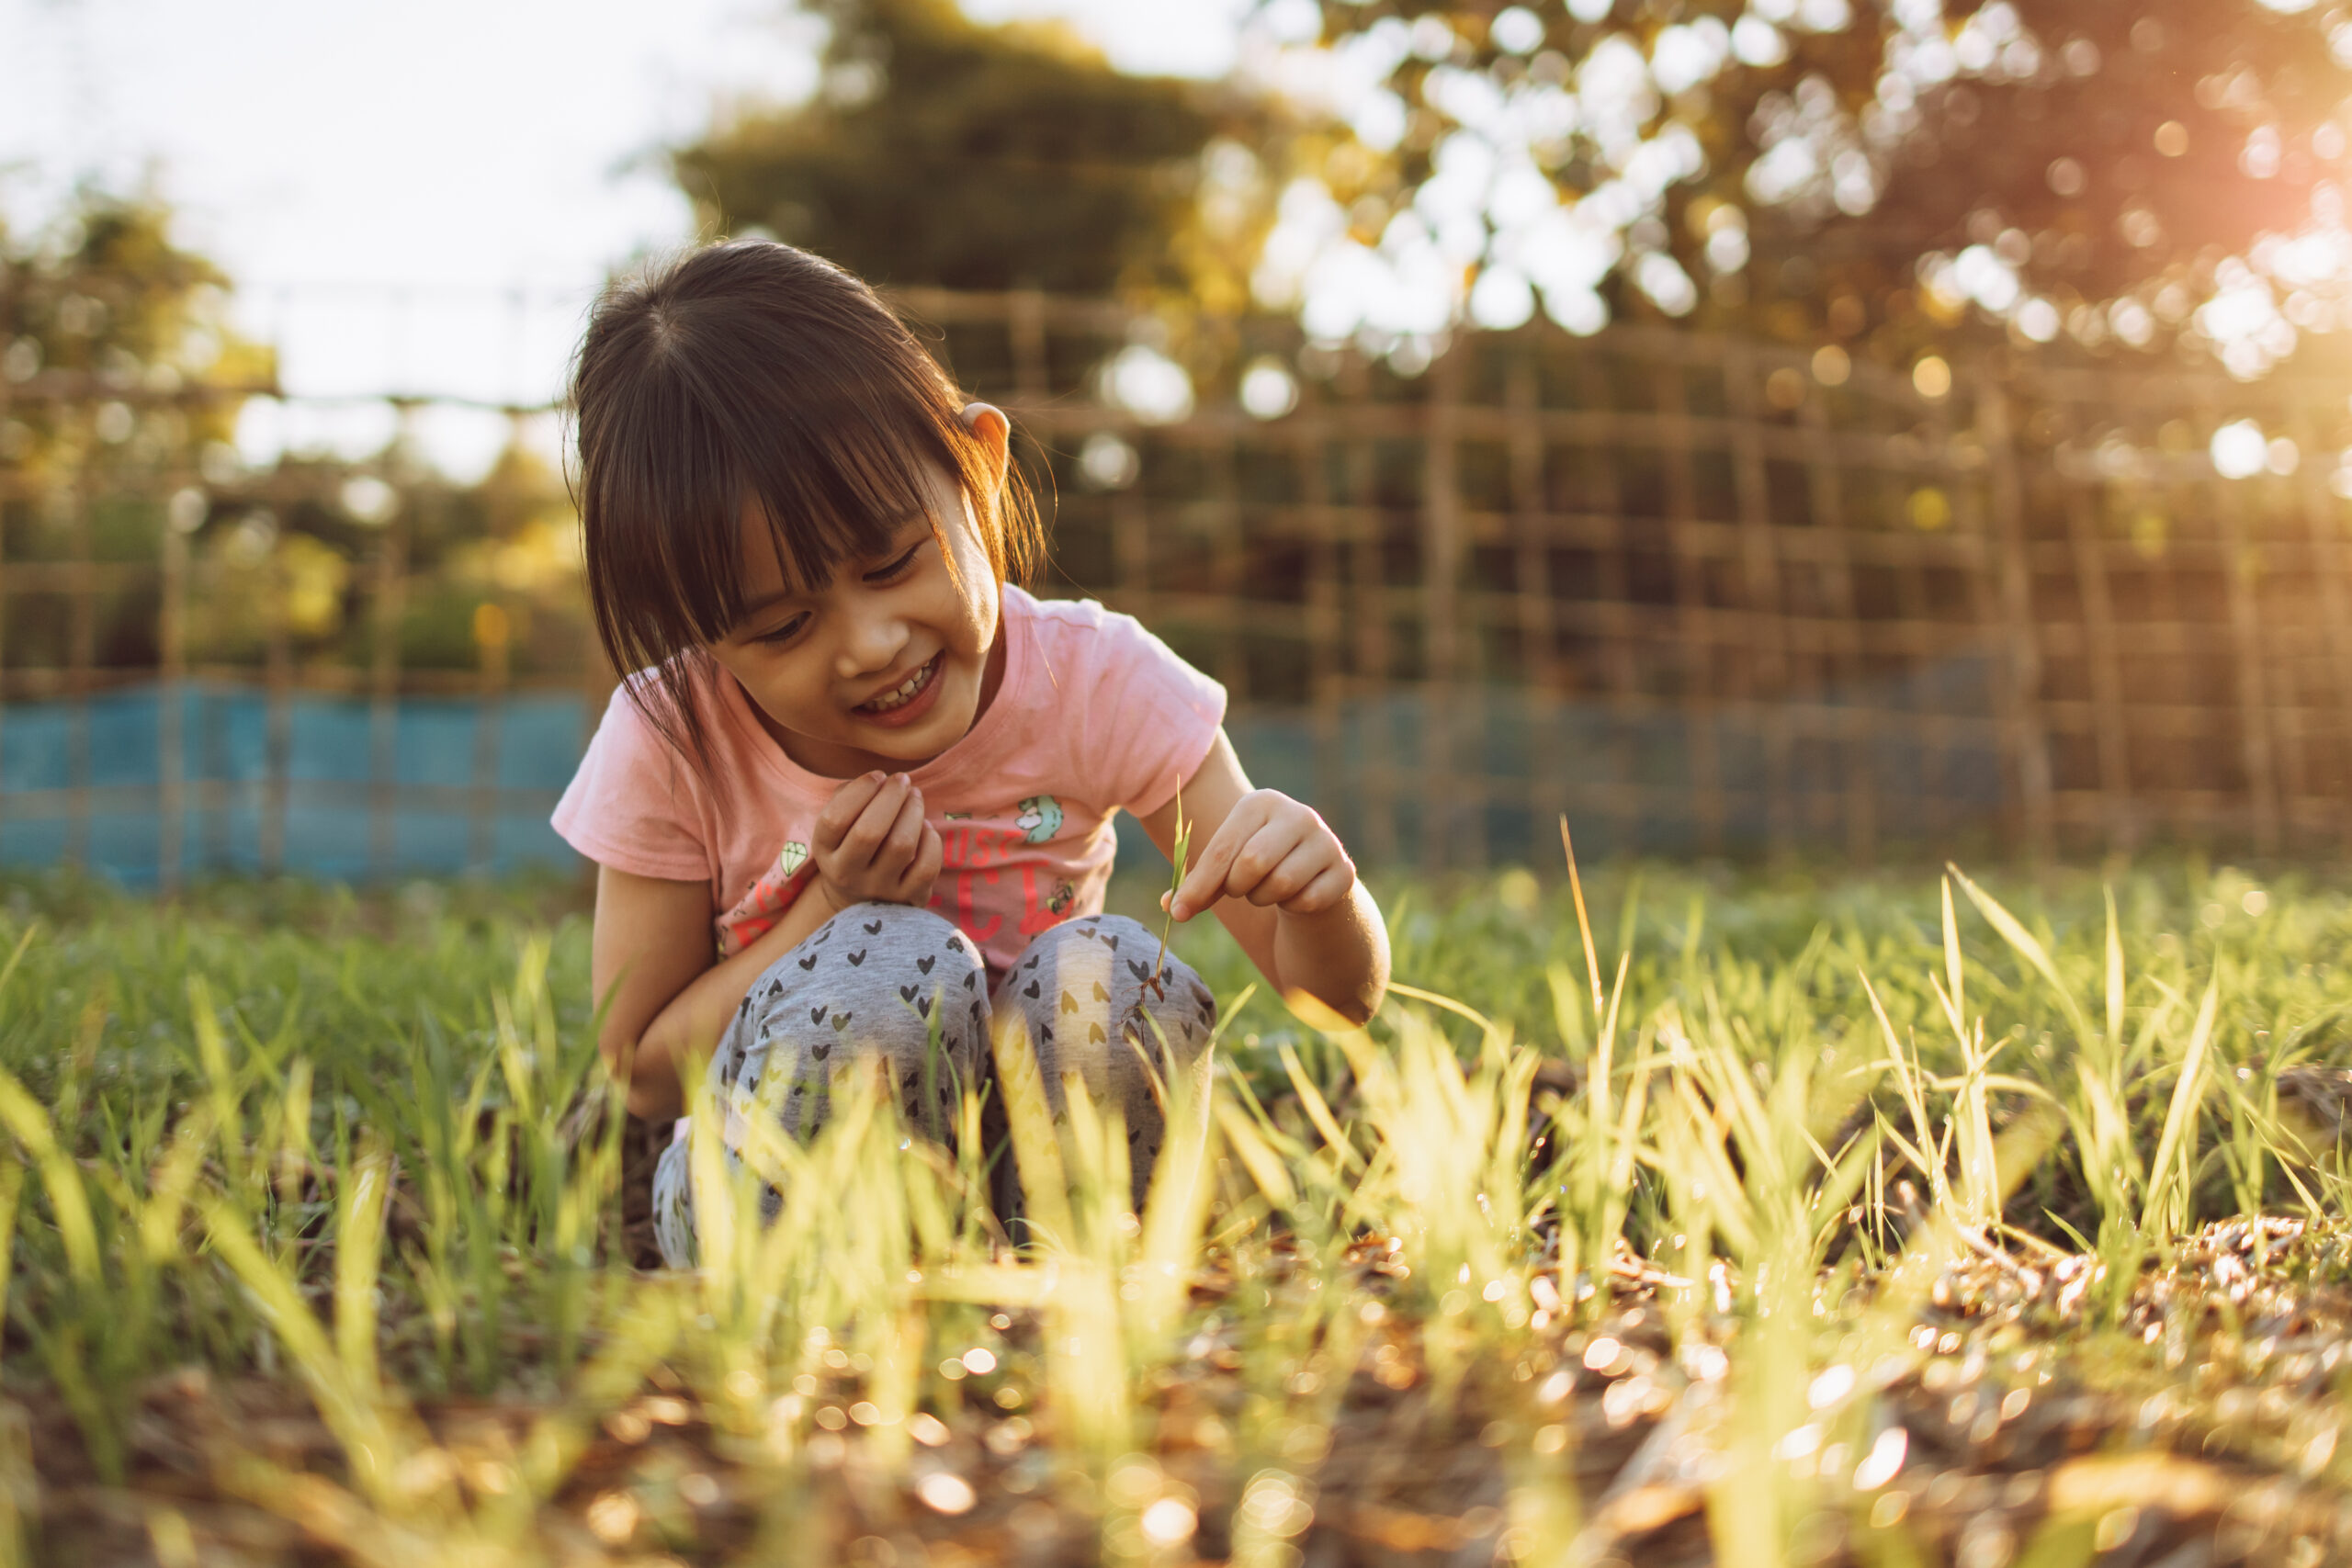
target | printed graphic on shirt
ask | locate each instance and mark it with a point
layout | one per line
(758, 910)
(1040, 818)
(990, 860)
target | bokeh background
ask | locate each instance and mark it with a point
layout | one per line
(1779, 427)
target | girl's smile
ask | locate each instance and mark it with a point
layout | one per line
(908, 700)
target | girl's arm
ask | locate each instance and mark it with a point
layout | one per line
(651, 957)
(1282, 885)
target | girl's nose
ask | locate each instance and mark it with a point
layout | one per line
(875, 642)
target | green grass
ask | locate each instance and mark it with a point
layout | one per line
(1880, 1221)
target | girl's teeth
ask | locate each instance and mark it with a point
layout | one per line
(900, 693)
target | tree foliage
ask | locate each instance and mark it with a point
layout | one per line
(109, 336)
(124, 377)
(942, 152)
(2157, 173)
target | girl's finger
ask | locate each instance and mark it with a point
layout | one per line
(1265, 850)
(929, 854)
(874, 823)
(1205, 876)
(1296, 873)
(840, 813)
(1331, 886)
(906, 832)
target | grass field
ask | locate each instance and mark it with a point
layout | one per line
(1760, 1221)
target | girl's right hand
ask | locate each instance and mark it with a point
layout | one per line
(873, 845)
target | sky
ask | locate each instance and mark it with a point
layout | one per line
(423, 197)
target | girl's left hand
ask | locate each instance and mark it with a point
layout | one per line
(1270, 851)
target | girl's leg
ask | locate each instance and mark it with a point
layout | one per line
(870, 985)
(1086, 989)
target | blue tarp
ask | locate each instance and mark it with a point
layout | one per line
(1402, 755)
(523, 748)
(1486, 773)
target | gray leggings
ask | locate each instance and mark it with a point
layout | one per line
(872, 983)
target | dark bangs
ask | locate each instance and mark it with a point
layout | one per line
(752, 372)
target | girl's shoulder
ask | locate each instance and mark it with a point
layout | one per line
(1057, 617)
(1088, 638)
(1118, 702)
(638, 802)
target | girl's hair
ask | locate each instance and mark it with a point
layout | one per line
(753, 372)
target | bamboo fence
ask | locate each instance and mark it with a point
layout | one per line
(1679, 586)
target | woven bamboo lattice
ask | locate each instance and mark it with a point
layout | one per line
(1671, 585)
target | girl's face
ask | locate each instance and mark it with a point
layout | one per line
(890, 663)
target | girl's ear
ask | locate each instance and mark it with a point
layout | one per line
(988, 421)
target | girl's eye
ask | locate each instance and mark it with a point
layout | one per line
(885, 574)
(784, 633)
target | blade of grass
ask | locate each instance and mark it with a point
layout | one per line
(2114, 974)
(1584, 921)
(1953, 970)
(2168, 1183)
(69, 1200)
(1181, 850)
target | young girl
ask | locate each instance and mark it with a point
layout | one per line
(861, 779)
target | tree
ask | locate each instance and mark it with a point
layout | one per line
(2157, 173)
(118, 371)
(941, 152)
(123, 382)
(111, 340)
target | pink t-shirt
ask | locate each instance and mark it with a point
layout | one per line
(1095, 715)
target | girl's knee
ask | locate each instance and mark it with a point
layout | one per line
(1102, 1000)
(879, 984)
(1156, 983)
(1115, 958)
(868, 953)
(1132, 1023)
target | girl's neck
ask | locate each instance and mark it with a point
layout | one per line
(832, 761)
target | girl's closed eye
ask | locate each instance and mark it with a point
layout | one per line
(896, 569)
(777, 637)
